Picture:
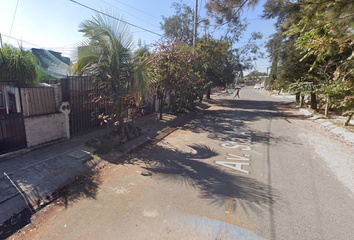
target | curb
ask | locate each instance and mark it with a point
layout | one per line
(329, 125)
(16, 221)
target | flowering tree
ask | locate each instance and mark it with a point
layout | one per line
(172, 72)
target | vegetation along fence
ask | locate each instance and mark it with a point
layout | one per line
(80, 93)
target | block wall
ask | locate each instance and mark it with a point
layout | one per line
(44, 129)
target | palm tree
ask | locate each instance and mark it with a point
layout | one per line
(107, 55)
(139, 81)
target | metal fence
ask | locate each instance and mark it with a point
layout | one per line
(12, 127)
(38, 101)
(80, 92)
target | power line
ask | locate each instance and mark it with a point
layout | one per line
(13, 19)
(62, 48)
(138, 9)
(128, 13)
(200, 9)
(144, 31)
(114, 17)
(21, 40)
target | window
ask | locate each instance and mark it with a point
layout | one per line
(11, 102)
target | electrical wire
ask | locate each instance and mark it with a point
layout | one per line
(13, 19)
(67, 48)
(200, 9)
(128, 13)
(21, 40)
(138, 9)
(133, 25)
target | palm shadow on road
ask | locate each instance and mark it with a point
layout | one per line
(190, 170)
(240, 115)
(83, 187)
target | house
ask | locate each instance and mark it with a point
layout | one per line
(52, 63)
(9, 100)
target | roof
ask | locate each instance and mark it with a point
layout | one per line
(52, 63)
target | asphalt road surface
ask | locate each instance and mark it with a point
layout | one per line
(243, 168)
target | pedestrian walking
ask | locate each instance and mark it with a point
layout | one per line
(237, 93)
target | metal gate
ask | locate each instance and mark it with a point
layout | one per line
(12, 127)
(80, 92)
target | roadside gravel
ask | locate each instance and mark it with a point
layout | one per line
(332, 137)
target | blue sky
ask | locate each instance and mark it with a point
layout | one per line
(54, 24)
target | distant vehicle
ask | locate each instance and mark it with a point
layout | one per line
(237, 86)
(257, 86)
(242, 85)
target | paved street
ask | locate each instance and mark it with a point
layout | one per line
(244, 168)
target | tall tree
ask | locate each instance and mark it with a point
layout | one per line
(227, 11)
(214, 62)
(326, 35)
(327, 30)
(172, 72)
(288, 65)
(180, 25)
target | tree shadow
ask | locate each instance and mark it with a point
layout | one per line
(192, 170)
(224, 124)
(37, 192)
(251, 104)
(203, 151)
(213, 182)
(84, 186)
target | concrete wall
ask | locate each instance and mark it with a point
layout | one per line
(44, 129)
(57, 94)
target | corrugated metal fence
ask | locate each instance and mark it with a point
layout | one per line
(38, 101)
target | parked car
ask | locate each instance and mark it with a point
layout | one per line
(257, 86)
(237, 86)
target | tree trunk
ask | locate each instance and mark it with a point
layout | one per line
(200, 98)
(161, 108)
(297, 97)
(327, 107)
(134, 115)
(120, 118)
(348, 119)
(106, 111)
(301, 101)
(120, 124)
(208, 93)
(313, 101)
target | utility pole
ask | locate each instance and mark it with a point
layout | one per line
(0, 41)
(267, 78)
(195, 24)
